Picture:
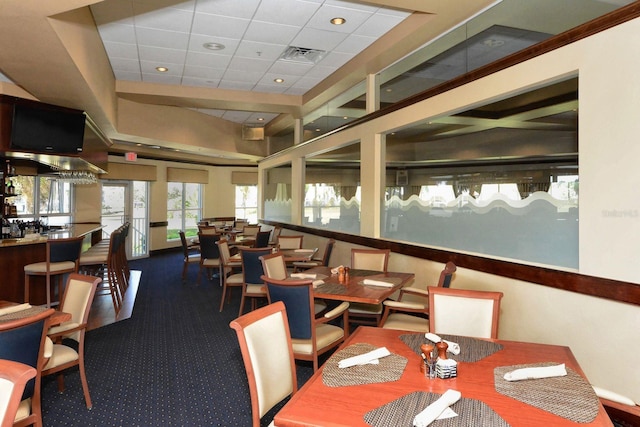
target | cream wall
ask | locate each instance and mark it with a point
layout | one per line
(218, 195)
(607, 67)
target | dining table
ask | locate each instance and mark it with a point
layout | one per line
(26, 310)
(393, 391)
(355, 288)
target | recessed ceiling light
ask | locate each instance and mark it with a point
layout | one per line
(317, 129)
(278, 80)
(213, 46)
(338, 21)
(162, 69)
(493, 43)
(261, 119)
(345, 117)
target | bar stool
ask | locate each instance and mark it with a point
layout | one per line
(62, 257)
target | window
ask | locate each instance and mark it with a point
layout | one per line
(247, 202)
(184, 208)
(43, 198)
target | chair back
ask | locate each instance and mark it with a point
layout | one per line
(262, 239)
(207, 229)
(250, 230)
(13, 379)
(275, 233)
(185, 245)
(464, 312)
(265, 344)
(297, 296)
(22, 340)
(223, 250)
(77, 299)
(370, 259)
(274, 266)
(61, 250)
(446, 275)
(252, 265)
(327, 252)
(240, 224)
(290, 242)
(208, 247)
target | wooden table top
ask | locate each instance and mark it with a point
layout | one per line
(317, 404)
(353, 290)
(57, 317)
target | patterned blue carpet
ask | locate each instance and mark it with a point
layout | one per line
(175, 362)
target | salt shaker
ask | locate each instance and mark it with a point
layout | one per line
(341, 274)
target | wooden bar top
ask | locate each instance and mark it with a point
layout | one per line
(75, 230)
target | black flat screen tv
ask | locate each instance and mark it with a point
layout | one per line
(46, 129)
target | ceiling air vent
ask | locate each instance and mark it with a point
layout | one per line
(302, 55)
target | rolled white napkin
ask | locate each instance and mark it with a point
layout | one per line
(433, 411)
(304, 275)
(303, 250)
(14, 309)
(453, 347)
(374, 282)
(317, 283)
(335, 270)
(536, 373)
(363, 359)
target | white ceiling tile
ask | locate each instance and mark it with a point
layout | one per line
(378, 25)
(188, 5)
(121, 50)
(271, 33)
(285, 11)
(162, 56)
(219, 26)
(163, 19)
(203, 73)
(265, 51)
(322, 19)
(233, 85)
(288, 67)
(208, 60)
(160, 38)
(122, 64)
(210, 111)
(118, 33)
(308, 82)
(393, 12)
(296, 90)
(128, 76)
(197, 41)
(351, 5)
(268, 79)
(238, 9)
(354, 44)
(318, 39)
(236, 116)
(247, 64)
(320, 71)
(192, 81)
(244, 76)
(336, 59)
(165, 79)
(266, 88)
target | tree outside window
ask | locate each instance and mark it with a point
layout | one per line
(184, 208)
(247, 202)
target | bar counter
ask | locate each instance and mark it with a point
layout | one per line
(16, 253)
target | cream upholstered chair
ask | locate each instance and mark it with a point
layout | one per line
(62, 257)
(275, 233)
(250, 230)
(265, 344)
(208, 229)
(396, 312)
(274, 267)
(290, 242)
(13, 379)
(228, 277)
(464, 312)
(77, 300)
(311, 336)
(189, 256)
(315, 262)
(23, 340)
(368, 259)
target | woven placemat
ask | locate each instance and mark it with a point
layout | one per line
(22, 314)
(330, 288)
(390, 368)
(400, 412)
(471, 349)
(569, 397)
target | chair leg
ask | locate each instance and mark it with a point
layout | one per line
(85, 385)
(48, 283)
(27, 286)
(241, 305)
(224, 292)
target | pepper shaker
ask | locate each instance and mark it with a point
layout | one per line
(442, 349)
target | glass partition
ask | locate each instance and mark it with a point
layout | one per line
(504, 184)
(277, 194)
(332, 190)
